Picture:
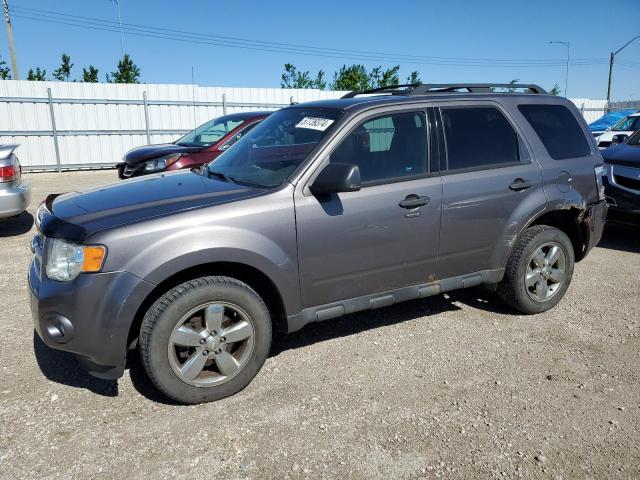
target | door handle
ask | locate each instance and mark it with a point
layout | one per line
(520, 184)
(414, 201)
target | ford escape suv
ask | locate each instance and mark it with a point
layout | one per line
(324, 209)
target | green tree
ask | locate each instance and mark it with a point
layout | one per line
(414, 78)
(555, 90)
(90, 75)
(5, 72)
(388, 78)
(128, 72)
(293, 78)
(320, 82)
(353, 77)
(356, 77)
(63, 72)
(37, 75)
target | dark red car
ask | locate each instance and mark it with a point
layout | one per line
(196, 148)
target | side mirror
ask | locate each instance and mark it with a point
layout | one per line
(337, 177)
(619, 138)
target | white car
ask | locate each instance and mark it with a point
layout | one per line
(626, 126)
(15, 194)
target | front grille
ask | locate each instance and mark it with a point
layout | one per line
(128, 171)
(630, 183)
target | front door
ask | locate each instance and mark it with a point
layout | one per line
(384, 236)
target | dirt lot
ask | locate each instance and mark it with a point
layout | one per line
(454, 386)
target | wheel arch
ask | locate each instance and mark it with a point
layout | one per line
(251, 275)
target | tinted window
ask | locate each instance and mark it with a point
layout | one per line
(558, 129)
(386, 148)
(478, 137)
(210, 132)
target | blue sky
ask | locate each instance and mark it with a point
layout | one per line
(494, 31)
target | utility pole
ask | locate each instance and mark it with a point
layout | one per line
(611, 60)
(566, 75)
(120, 23)
(12, 49)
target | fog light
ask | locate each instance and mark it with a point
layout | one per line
(58, 328)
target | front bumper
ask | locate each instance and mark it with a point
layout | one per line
(621, 198)
(14, 199)
(89, 316)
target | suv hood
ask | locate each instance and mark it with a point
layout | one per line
(622, 154)
(147, 197)
(149, 152)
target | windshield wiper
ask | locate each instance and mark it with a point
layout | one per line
(221, 175)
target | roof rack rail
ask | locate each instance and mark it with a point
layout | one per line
(427, 88)
(402, 89)
(474, 88)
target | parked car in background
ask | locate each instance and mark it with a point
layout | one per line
(15, 193)
(626, 126)
(326, 208)
(622, 182)
(607, 121)
(196, 148)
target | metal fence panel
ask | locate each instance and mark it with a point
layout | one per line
(96, 123)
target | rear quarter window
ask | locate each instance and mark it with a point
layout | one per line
(558, 130)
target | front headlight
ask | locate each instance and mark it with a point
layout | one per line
(161, 163)
(66, 260)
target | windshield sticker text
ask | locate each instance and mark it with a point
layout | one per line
(314, 123)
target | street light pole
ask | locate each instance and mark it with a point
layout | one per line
(611, 60)
(566, 73)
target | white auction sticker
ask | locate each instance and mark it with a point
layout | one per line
(315, 123)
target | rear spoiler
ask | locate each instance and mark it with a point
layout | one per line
(7, 150)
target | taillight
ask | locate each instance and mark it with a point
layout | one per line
(8, 173)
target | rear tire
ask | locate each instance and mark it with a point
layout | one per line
(539, 270)
(205, 339)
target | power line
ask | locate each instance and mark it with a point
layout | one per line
(276, 47)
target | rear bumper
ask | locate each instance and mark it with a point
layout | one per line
(14, 199)
(594, 221)
(90, 316)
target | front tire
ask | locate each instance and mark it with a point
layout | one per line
(539, 270)
(205, 339)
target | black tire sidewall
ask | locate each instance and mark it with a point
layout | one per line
(526, 303)
(170, 308)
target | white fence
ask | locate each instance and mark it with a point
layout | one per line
(87, 125)
(67, 125)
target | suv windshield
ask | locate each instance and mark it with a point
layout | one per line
(210, 132)
(627, 124)
(269, 153)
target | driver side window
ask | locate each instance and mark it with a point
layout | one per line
(387, 148)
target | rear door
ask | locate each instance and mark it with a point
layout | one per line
(487, 176)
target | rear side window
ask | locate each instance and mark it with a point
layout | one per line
(479, 138)
(558, 129)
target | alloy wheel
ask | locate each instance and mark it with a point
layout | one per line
(545, 271)
(211, 344)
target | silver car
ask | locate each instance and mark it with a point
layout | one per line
(15, 193)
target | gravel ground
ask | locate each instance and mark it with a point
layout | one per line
(454, 386)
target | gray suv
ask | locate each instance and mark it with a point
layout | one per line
(324, 209)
